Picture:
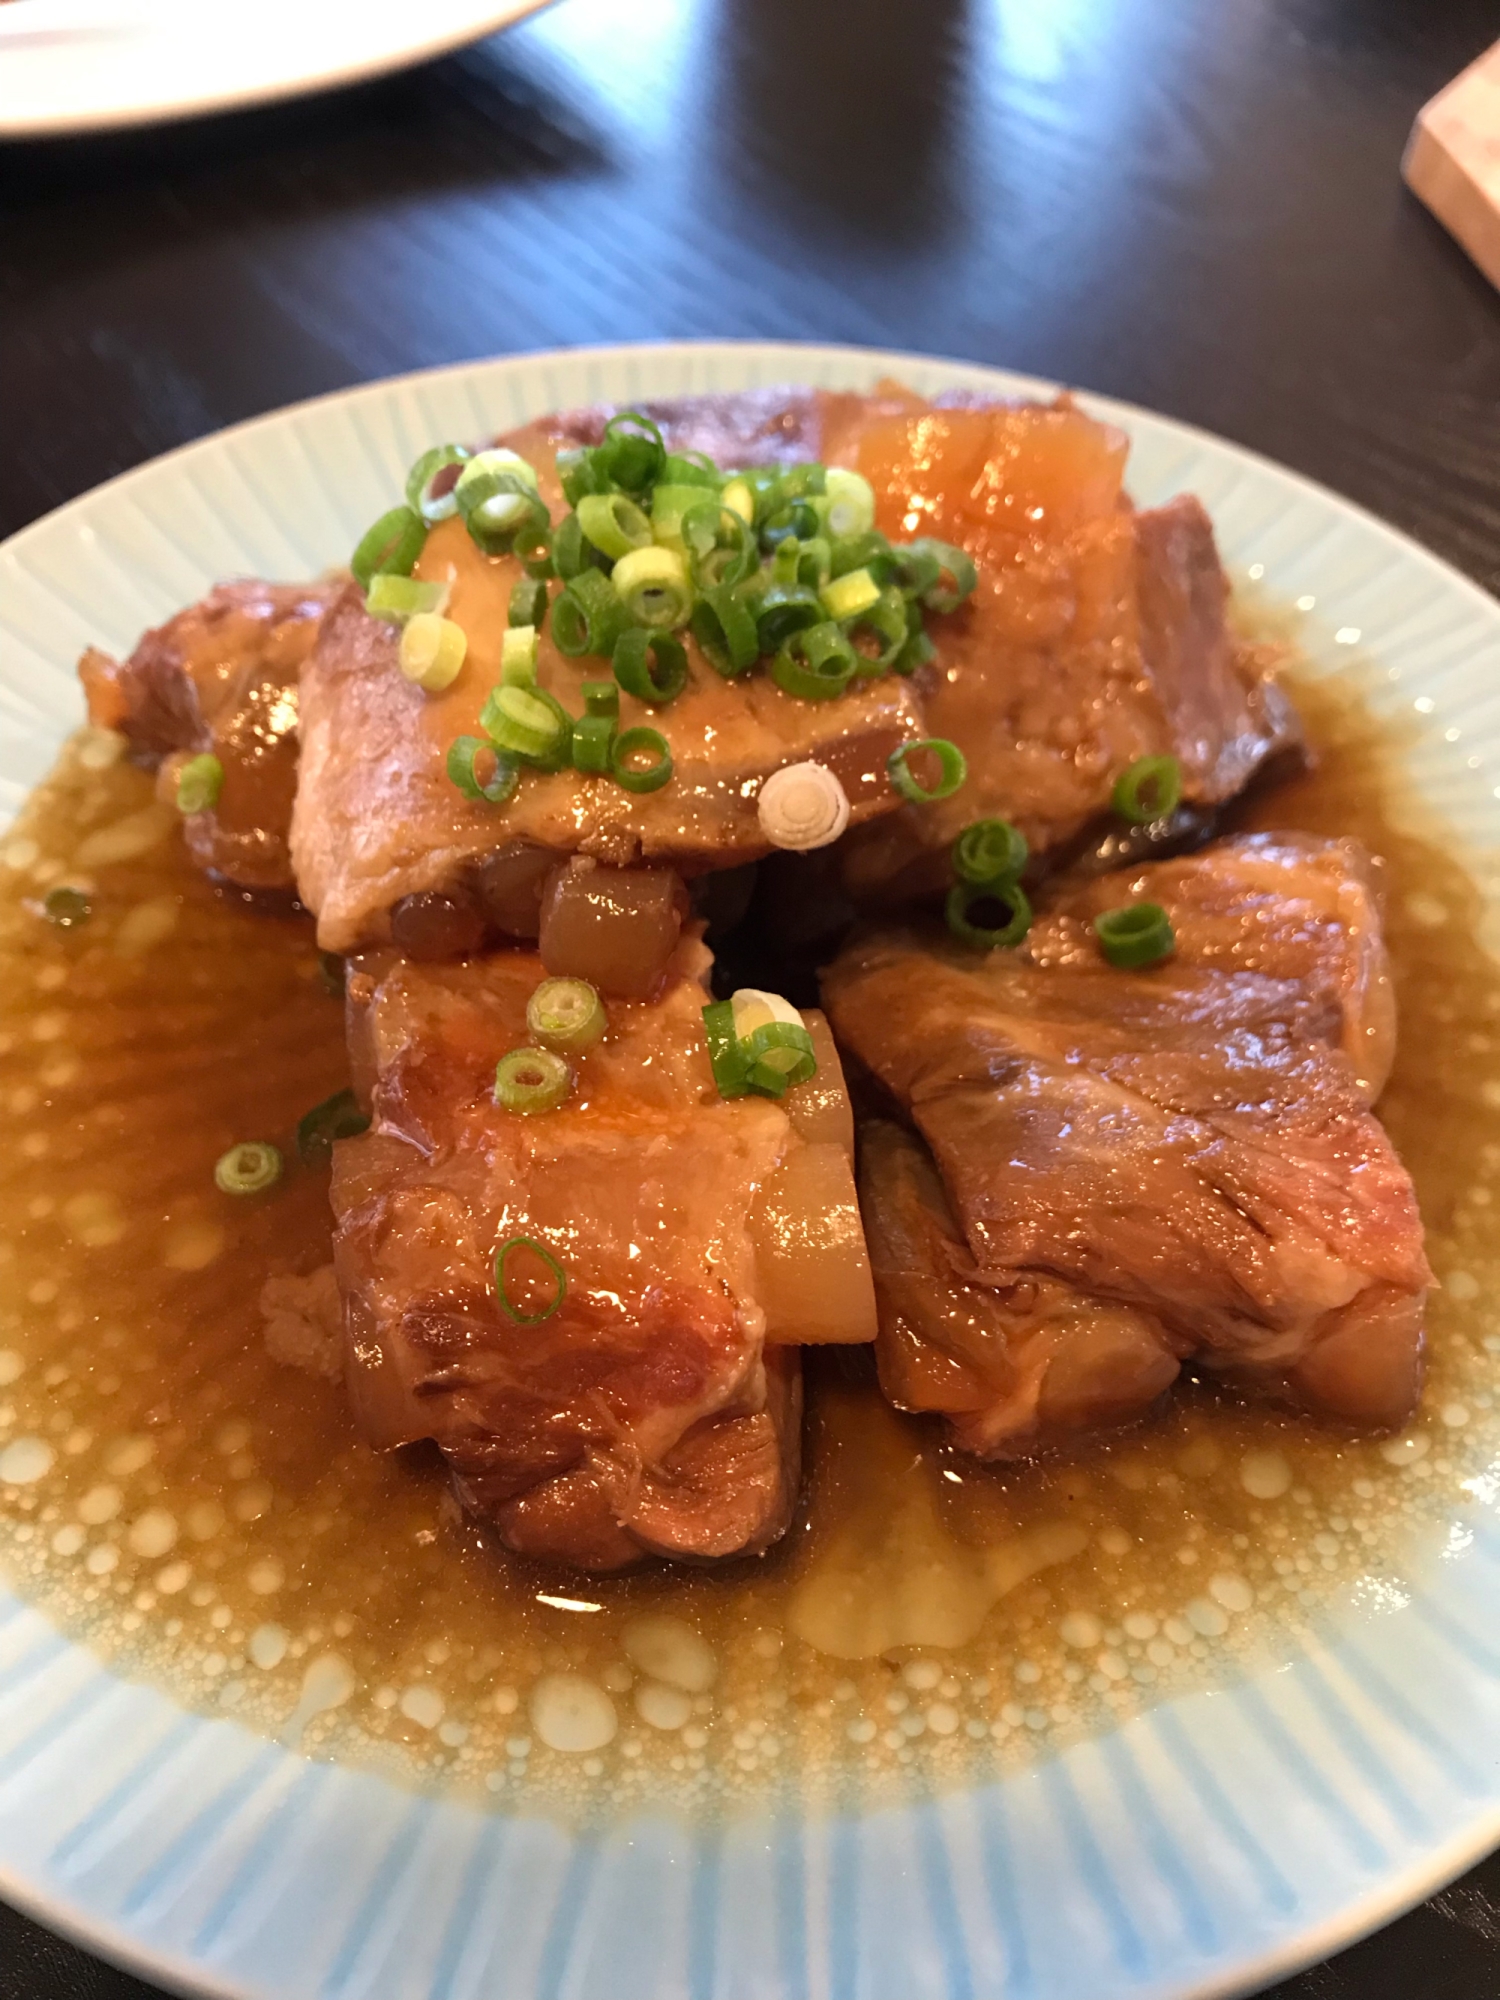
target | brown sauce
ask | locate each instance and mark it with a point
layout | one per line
(203, 1516)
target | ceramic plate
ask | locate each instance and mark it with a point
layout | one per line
(1202, 1848)
(84, 65)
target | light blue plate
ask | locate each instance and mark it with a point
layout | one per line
(1204, 1849)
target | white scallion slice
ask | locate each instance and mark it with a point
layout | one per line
(432, 651)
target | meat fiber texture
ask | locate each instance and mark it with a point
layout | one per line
(222, 676)
(1125, 1171)
(647, 1415)
(377, 817)
(1097, 635)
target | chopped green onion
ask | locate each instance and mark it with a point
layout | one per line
(429, 486)
(518, 649)
(1136, 935)
(778, 1056)
(731, 1070)
(724, 626)
(991, 915)
(783, 610)
(786, 561)
(502, 1254)
(593, 741)
(719, 544)
(917, 651)
(851, 502)
(249, 1168)
(632, 743)
(918, 570)
(850, 595)
(654, 588)
(432, 651)
(637, 652)
(991, 850)
(528, 722)
(566, 1015)
(797, 518)
(390, 548)
(1150, 789)
(532, 1080)
(885, 623)
(331, 971)
(337, 1117)
(869, 551)
(581, 472)
(67, 908)
(739, 499)
(602, 698)
(689, 468)
(813, 560)
(463, 754)
(669, 506)
(952, 770)
(199, 783)
(571, 553)
(528, 601)
(815, 665)
(588, 617)
(497, 497)
(797, 482)
(613, 524)
(632, 451)
(954, 565)
(403, 597)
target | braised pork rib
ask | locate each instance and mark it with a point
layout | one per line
(1117, 1172)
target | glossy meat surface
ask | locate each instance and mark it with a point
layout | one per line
(650, 1414)
(221, 676)
(1126, 1170)
(378, 819)
(1097, 635)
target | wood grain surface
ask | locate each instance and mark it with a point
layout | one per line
(1194, 204)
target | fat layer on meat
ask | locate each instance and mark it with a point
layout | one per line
(221, 676)
(649, 1414)
(1097, 635)
(1117, 1172)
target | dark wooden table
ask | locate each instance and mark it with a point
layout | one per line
(1190, 203)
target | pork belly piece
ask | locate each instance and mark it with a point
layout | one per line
(1097, 635)
(221, 676)
(656, 1411)
(377, 818)
(1124, 1171)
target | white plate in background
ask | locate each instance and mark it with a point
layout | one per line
(1202, 1849)
(71, 66)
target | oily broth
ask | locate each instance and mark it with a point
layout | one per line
(205, 1518)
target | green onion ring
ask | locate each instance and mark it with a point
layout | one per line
(528, 602)
(1150, 789)
(337, 1117)
(593, 741)
(720, 545)
(428, 472)
(815, 665)
(641, 743)
(991, 850)
(248, 1168)
(602, 698)
(67, 908)
(966, 902)
(495, 529)
(633, 457)
(952, 563)
(532, 1080)
(726, 1052)
(588, 617)
(654, 587)
(917, 651)
(501, 787)
(689, 468)
(613, 524)
(390, 548)
(869, 551)
(724, 626)
(566, 1015)
(199, 783)
(783, 610)
(796, 518)
(580, 472)
(528, 1243)
(1136, 935)
(953, 770)
(571, 554)
(919, 569)
(778, 1056)
(637, 652)
(886, 620)
(530, 723)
